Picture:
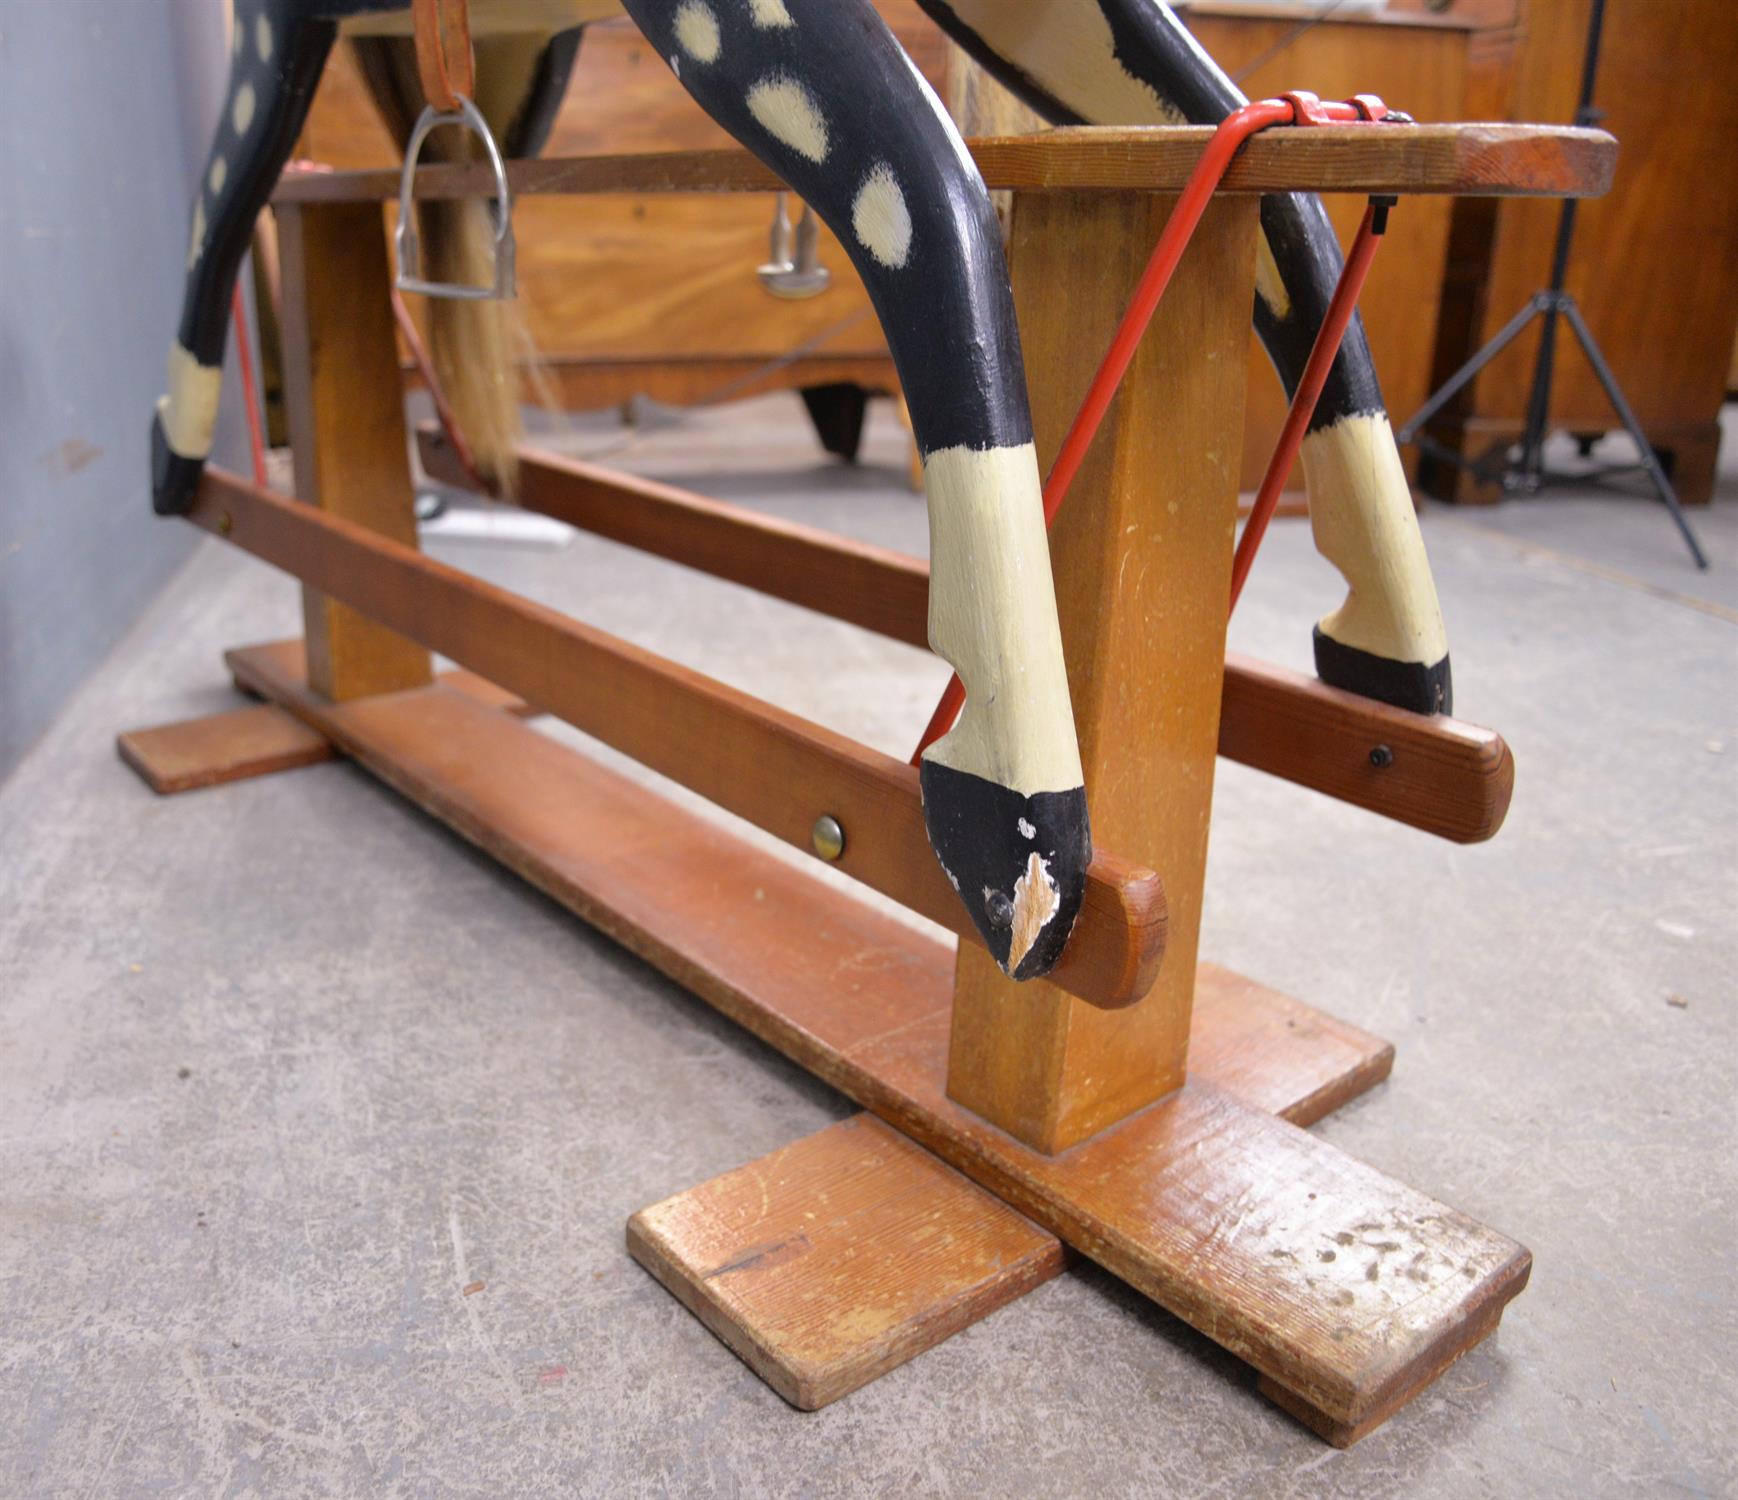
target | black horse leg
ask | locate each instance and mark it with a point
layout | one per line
(278, 55)
(820, 90)
(1131, 62)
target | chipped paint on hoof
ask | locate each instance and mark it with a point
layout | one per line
(1422, 687)
(1018, 862)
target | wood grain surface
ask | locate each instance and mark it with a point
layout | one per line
(260, 739)
(1445, 776)
(631, 294)
(866, 585)
(344, 402)
(1346, 1289)
(778, 771)
(220, 748)
(1486, 160)
(1451, 778)
(585, 382)
(1142, 559)
(840, 1256)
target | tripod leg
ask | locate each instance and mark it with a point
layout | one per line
(1620, 404)
(1532, 466)
(1509, 332)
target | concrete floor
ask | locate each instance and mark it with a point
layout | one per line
(284, 1067)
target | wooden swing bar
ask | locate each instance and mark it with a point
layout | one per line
(1438, 774)
(778, 771)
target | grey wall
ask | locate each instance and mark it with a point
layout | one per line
(106, 108)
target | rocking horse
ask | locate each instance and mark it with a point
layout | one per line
(1145, 1115)
(821, 92)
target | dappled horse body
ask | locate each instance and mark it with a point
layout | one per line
(821, 91)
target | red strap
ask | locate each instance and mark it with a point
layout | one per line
(443, 51)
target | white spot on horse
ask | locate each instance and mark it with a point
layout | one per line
(262, 38)
(881, 219)
(241, 116)
(770, 13)
(697, 32)
(788, 113)
(219, 172)
(675, 64)
(1036, 901)
(1027, 831)
(197, 243)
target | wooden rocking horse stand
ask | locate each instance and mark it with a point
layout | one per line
(1144, 1114)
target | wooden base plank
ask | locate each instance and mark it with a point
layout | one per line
(219, 748)
(1480, 1324)
(842, 1256)
(1250, 1041)
(258, 740)
(839, 1257)
(1344, 1288)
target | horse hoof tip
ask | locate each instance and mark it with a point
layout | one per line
(1420, 687)
(174, 478)
(1018, 862)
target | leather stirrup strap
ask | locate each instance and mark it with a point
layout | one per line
(443, 51)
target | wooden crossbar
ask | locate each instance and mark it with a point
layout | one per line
(778, 771)
(1468, 160)
(1439, 774)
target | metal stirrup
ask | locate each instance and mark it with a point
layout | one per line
(410, 277)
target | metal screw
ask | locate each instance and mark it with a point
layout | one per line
(225, 524)
(1381, 757)
(827, 837)
(999, 909)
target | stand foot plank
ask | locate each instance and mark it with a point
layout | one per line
(220, 748)
(839, 1257)
(1345, 1289)
(848, 1253)
(258, 740)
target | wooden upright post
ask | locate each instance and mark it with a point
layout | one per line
(344, 395)
(1142, 557)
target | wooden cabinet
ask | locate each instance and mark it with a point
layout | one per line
(657, 294)
(1655, 264)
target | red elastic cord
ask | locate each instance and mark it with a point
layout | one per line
(1309, 390)
(1203, 182)
(249, 390)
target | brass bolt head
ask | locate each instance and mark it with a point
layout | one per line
(827, 837)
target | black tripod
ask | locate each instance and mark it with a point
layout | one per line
(1525, 471)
